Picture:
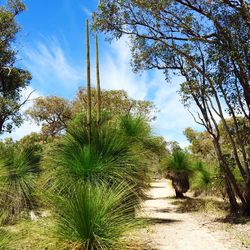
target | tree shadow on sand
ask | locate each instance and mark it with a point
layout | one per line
(165, 198)
(197, 204)
(234, 219)
(160, 220)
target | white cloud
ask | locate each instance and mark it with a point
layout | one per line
(49, 65)
(116, 72)
(173, 118)
(86, 11)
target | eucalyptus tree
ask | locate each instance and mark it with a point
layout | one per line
(51, 113)
(13, 79)
(201, 41)
(114, 102)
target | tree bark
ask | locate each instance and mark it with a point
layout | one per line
(246, 207)
(179, 194)
(234, 207)
(230, 177)
(1, 125)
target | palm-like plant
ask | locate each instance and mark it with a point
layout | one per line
(177, 168)
(74, 160)
(201, 179)
(95, 216)
(145, 146)
(18, 171)
(92, 215)
(134, 127)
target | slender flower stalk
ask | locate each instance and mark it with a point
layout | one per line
(98, 87)
(88, 82)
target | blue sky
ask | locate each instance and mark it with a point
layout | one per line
(52, 48)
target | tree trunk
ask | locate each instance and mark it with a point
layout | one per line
(1, 125)
(234, 207)
(179, 194)
(226, 170)
(246, 207)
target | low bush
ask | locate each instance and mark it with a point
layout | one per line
(95, 216)
(18, 172)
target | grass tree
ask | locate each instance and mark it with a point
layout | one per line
(146, 147)
(95, 176)
(96, 186)
(73, 160)
(95, 216)
(136, 131)
(18, 172)
(177, 168)
(202, 178)
(111, 157)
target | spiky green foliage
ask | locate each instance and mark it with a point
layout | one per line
(207, 179)
(177, 168)
(18, 171)
(178, 162)
(137, 132)
(202, 178)
(95, 216)
(73, 160)
(134, 127)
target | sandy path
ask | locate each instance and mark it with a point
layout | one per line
(172, 230)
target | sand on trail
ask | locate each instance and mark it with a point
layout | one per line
(173, 230)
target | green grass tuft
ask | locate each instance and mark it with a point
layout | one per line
(95, 216)
(18, 172)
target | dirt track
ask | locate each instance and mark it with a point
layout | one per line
(174, 230)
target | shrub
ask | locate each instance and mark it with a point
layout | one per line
(74, 161)
(18, 171)
(95, 216)
(201, 179)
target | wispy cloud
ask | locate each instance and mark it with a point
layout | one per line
(47, 62)
(86, 11)
(173, 118)
(116, 72)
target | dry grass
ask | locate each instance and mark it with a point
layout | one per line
(37, 235)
